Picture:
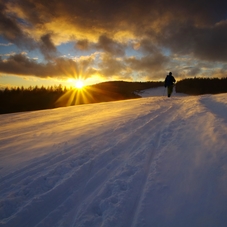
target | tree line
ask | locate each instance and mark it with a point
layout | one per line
(201, 86)
(28, 99)
(37, 98)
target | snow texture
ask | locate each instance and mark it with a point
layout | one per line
(154, 161)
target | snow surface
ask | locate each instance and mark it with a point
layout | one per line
(147, 162)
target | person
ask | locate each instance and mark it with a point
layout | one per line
(169, 83)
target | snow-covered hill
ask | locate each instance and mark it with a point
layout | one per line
(154, 161)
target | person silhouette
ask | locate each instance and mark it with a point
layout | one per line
(169, 83)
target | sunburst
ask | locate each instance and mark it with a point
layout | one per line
(79, 84)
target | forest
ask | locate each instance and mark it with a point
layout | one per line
(201, 86)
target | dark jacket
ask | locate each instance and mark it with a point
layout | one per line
(169, 81)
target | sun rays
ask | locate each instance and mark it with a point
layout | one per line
(76, 83)
(77, 94)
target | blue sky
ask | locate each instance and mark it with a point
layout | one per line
(57, 42)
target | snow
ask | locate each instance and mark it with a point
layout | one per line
(154, 161)
(159, 91)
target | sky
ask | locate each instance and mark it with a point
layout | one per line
(56, 42)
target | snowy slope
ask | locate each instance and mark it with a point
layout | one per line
(159, 91)
(154, 161)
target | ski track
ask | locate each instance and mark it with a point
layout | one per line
(119, 171)
(136, 146)
(150, 166)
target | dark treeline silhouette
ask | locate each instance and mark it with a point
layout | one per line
(27, 99)
(35, 98)
(200, 86)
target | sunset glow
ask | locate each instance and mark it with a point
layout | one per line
(76, 83)
(79, 84)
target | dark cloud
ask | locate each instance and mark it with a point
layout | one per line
(147, 67)
(211, 43)
(20, 64)
(110, 46)
(149, 63)
(104, 44)
(82, 44)
(115, 15)
(47, 47)
(8, 27)
(111, 66)
(208, 43)
(47, 43)
(193, 71)
(11, 31)
(148, 47)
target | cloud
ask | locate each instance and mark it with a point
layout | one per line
(210, 43)
(204, 43)
(82, 44)
(148, 63)
(6, 44)
(150, 67)
(110, 46)
(111, 66)
(20, 64)
(148, 47)
(47, 47)
(104, 43)
(12, 31)
(113, 16)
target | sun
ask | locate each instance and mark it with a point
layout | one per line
(79, 84)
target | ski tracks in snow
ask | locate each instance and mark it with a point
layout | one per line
(161, 139)
(124, 190)
(103, 179)
(111, 194)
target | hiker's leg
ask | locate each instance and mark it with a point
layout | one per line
(169, 91)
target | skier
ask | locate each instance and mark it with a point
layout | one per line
(169, 83)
